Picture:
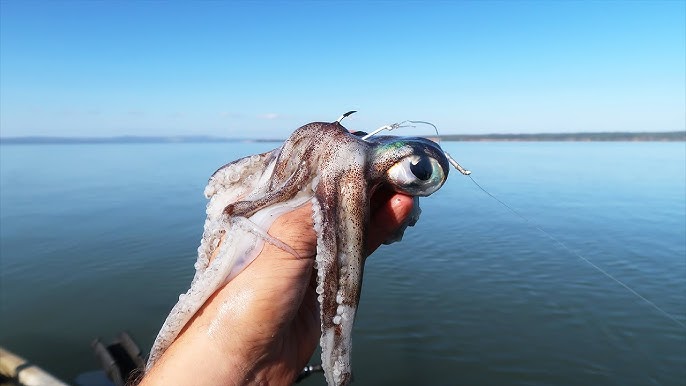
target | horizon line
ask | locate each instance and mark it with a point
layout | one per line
(679, 135)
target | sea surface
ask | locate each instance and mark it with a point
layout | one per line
(97, 239)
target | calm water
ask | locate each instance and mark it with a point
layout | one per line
(101, 238)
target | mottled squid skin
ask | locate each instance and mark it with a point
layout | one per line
(338, 172)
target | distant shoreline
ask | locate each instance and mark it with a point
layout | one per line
(667, 136)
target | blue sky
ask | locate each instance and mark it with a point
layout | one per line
(261, 69)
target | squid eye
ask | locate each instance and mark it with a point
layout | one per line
(416, 175)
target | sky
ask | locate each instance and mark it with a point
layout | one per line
(262, 69)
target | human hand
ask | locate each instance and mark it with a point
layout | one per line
(263, 326)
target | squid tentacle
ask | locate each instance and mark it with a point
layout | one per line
(290, 188)
(340, 269)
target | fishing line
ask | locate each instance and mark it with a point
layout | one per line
(468, 173)
(397, 126)
(574, 253)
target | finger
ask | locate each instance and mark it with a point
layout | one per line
(390, 213)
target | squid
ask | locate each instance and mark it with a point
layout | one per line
(337, 171)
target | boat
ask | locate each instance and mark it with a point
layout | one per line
(17, 371)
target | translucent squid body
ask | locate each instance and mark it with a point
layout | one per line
(338, 172)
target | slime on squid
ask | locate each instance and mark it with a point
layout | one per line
(337, 171)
